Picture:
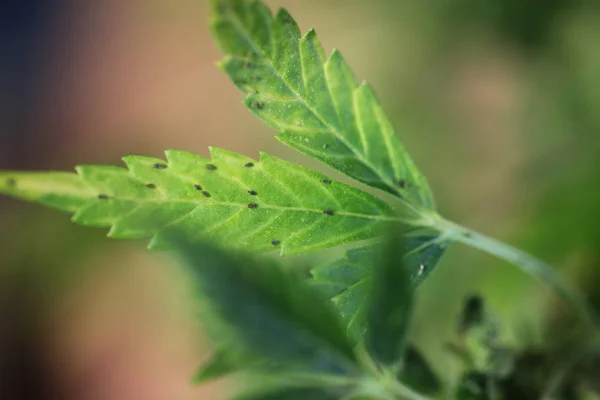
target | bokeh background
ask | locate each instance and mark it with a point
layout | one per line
(497, 100)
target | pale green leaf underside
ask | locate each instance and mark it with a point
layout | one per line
(313, 101)
(346, 281)
(231, 199)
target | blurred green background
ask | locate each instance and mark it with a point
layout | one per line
(497, 100)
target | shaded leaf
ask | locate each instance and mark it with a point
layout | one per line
(273, 313)
(313, 100)
(417, 373)
(291, 394)
(346, 281)
(231, 199)
(217, 366)
(389, 304)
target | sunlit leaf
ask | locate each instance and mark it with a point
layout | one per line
(313, 100)
(231, 199)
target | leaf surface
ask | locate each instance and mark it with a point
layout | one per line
(389, 304)
(346, 281)
(270, 311)
(313, 100)
(232, 199)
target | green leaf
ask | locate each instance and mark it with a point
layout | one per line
(417, 373)
(346, 281)
(271, 312)
(217, 366)
(291, 394)
(389, 304)
(313, 100)
(231, 199)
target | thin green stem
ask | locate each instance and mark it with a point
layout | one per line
(529, 264)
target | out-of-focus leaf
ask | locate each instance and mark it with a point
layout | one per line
(389, 304)
(291, 394)
(417, 373)
(272, 312)
(346, 281)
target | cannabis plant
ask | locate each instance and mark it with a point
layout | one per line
(342, 333)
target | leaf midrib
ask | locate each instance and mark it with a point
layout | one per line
(387, 218)
(331, 128)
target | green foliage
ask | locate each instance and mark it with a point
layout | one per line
(346, 281)
(268, 321)
(270, 310)
(295, 343)
(313, 100)
(232, 199)
(389, 306)
(416, 372)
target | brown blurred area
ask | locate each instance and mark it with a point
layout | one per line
(85, 317)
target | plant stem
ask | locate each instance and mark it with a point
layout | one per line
(529, 264)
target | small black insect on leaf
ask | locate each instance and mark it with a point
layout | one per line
(11, 182)
(252, 205)
(160, 166)
(211, 167)
(249, 165)
(103, 197)
(402, 183)
(252, 192)
(256, 105)
(328, 212)
(206, 194)
(275, 242)
(248, 64)
(151, 186)
(198, 187)
(326, 181)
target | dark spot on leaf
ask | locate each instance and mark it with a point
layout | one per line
(257, 78)
(248, 64)
(325, 146)
(326, 181)
(252, 192)
(256, 105)
(160, 166)
(328, 212)
(206, 194)
(275, 242)
(402, 183)
(11, 182)
(252, 205)
(467, 235)
(249, 165)
(211, 167)
(103, 197)
(151, 186)
(198, 187)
